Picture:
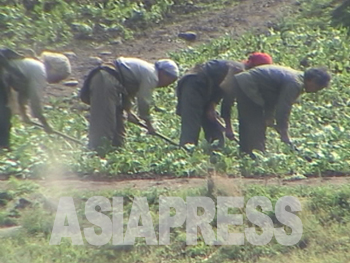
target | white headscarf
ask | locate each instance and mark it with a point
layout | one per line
(168, 66)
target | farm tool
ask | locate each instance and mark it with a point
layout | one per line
(79, 142)
(162, 136)
(60, 134)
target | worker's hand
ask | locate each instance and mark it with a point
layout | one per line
(270, 122)
(229, 134)
(283, 135)
(293, 147)
(26, 119)
(212, 115)
(133, 118)
(150, 128)
(285, 138)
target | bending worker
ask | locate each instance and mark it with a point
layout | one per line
(110, 89)
(265, 94)
(27, 76)
(5, 93)
(198, 93)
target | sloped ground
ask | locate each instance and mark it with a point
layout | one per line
(155, 43)
(327, 246)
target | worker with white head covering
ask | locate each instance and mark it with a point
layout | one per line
(27, 76)
(110, 89)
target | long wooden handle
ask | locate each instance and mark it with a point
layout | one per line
(60, 134)
(163, 137)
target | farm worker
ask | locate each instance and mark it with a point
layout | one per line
(266, 93)
(5, 111)
(29, 86)
(110, 89)
(35, 75)
(26, 76)
(198, 94)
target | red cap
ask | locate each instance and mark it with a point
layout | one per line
(257, 59)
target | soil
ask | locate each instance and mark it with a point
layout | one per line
(155, 43)
(179, 183)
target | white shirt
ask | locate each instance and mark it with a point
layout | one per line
(146, 75)
(34, 71)
(35, 83)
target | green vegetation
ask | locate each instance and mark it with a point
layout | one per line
(319, 123)
(325, 216)
(319, 126)
(56, 22)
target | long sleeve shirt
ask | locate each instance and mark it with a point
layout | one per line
(216, 70)
(33, 84)
(273, 87)
(211, 73)
(140, 79)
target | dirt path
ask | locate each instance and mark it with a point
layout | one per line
(156, 42)
(75, 183)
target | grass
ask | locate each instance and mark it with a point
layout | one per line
(56, 23)
(324, 217)
(319, 127)
(319, 122)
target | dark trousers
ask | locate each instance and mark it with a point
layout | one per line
(106, 112)
(252, 127)
(193, 101)
(213, 131)
(5, 116)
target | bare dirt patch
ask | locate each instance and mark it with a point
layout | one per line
(178, 183)
(156, 42)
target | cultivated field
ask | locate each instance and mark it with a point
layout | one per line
(42, 168)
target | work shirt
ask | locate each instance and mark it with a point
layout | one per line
(216, 70)
(273, 87)
(34, 83)
(140, 78)
(211, 73)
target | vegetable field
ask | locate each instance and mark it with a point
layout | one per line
(319, 123)
(55, 23)
(311, 33)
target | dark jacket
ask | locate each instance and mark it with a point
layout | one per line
(211, 74)
(273, 87)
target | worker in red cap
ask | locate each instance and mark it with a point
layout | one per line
(198, 93)
(256, 59)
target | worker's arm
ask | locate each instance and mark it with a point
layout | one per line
(287, 97)
(144, 100)
(226, 106)
(229, 97)
(36, 107)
